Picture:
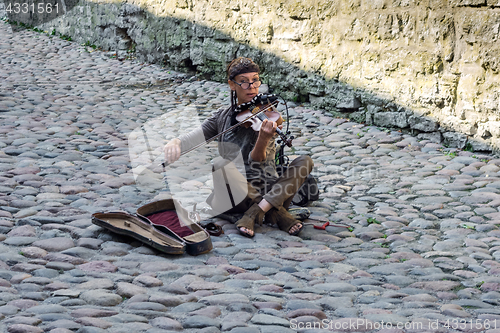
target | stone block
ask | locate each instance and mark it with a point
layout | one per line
(298, 9)
(220, 35)
(494, 128)
(467, 3)
(423, 124)
(454, 139)
(390, 119)
(203, 31)
(432, 137)
(196, 52)
(479, 144)
(351, 103)
(217, 51)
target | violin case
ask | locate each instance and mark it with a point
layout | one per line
(164, 225)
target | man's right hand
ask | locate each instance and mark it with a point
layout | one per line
(172, 150)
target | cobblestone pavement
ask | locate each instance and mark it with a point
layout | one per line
(422, 254)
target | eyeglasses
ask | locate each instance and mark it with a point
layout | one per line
(246, 85)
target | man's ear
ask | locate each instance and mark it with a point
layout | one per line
(231, 85)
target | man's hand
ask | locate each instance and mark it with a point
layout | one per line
(267, 130)
(172, 150)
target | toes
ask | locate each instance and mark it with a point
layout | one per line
(295, 228)
(246, 231)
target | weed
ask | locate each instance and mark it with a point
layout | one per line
(66, 37)
(479, 284)
(371, 220)
(403, 259)
(132, 49)
(53, 33)
(465, 226)
(468, 147)
(451, 153)
(90, 45)
(485, 160)
(351, 229)
(21, 253)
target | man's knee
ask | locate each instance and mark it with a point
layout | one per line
(304, 162)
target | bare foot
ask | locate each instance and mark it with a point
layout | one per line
(295, 229)
(246, 232)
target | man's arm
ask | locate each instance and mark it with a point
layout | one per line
(267, 130)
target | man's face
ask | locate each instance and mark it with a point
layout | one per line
(241, 81)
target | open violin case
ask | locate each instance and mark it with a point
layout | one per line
(165, 225)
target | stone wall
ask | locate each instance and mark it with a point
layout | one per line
(430, 67)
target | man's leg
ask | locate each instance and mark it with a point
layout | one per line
(232, 193)
(290, 182)
(283, 191)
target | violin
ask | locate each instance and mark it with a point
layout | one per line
(259, 108)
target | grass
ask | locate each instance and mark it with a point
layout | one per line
(30, 27)
(371, 220)
(451, 153)
(465, 226)
(90, 45)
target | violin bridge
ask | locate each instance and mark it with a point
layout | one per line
(255, 110)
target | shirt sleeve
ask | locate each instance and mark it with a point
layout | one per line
(207, 130)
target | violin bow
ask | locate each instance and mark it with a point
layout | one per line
(272, 104)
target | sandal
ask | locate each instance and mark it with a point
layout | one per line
(252, 215)
(284, 220)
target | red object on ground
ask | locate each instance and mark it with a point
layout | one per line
(322, 227)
